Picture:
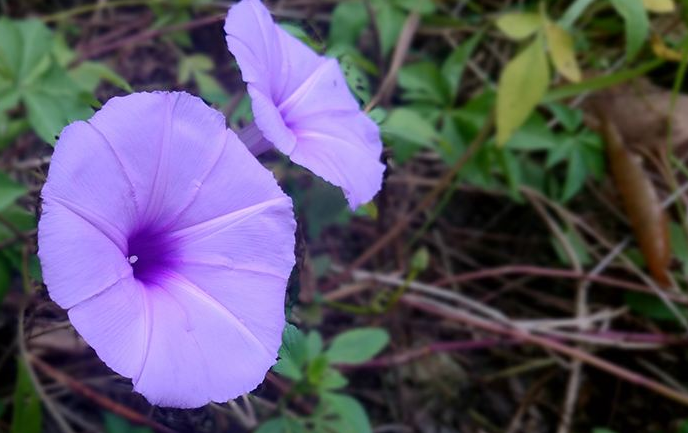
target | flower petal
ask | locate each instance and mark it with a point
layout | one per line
(206, 349)
(83, 170)
(259, 238)
(116, 324)
(343, 150)
(183, 139)
(77, 259)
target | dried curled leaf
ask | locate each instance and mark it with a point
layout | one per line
(641, 202)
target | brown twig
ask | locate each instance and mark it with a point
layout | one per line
(438, 309)
(553, 273)
(99, 399)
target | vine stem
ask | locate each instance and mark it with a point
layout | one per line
(438, 309)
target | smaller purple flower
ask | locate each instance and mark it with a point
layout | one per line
(170, 245)
(302, 105)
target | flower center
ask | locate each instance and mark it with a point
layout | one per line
(150, 254)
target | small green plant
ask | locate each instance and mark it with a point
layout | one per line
(312, 369)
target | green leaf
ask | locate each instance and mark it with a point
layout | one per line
(27, 415)
(390, 21)
(293, 353)
(23, 46)
(561, 51)
(519, 25)
(570, 118)
(115, 424)
(333, 379)
(534, 135)
(315, 371)
(423, 82)
(357, 345)
(637, 24)
(423, 7)
(454, 65)
(350, 415)
(349, 19)
(356, 78)
(5, 279)
(281, 425)
(576, 174)
(314, 343)
(522, 85)
(9, 191)
(89, 74)
(407, 131)
(651, 306)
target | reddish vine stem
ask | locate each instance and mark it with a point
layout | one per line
(553, 273)
(622, 373)
(99, 399)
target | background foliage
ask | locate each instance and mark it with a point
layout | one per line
(523, 270)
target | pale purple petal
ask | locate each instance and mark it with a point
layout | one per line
(290, 86)
(184, 135)
(116, 323)
(181, 286)
(341, 152)
(77, 258)
(197, 347)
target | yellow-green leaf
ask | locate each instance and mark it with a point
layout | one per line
(519, 25)
(659, 6)
(561, 51)
(522, 85)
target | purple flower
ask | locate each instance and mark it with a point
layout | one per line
(171, 247)
(302, 105)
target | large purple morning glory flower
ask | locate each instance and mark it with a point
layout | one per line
(171, 247)
(302, 105)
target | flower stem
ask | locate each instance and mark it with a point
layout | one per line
(253, 138)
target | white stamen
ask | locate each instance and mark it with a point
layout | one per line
(133, 259)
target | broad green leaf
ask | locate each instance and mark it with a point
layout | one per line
(20, 218)
(424, 7)
(357, 345)
(576, 174)
(679, 243)
(115, 424)
(570, 118)
(454, 65)
(193, 63)
(23, 46)
(519, 25)
(659, 6)
(281, 425)
(577, 244)
(651, 306)
(636, 22)
(350, 415)
(9, 191)
(356, 78)
(522, 85)
(534, 135)
(316, 370)
(27, 415)
(423, 82)
(314, 343)
(333, 379)
(389, 21)
(210, 89)
(407, 132)
(89, 74)
(349, 19)
(293, 353)
(575, 9)
(560, 44)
